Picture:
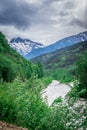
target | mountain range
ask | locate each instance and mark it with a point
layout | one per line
(24, 46)
(30, 49)
(62, 58)
(63, 43)
(62, 64)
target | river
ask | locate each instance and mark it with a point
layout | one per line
(54, 90)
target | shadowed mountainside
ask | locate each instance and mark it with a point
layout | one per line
(63, 43)
(63, 57)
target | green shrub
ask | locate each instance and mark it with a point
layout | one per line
(83, 93)
(56, 118)
(7, 108)
(22, 105)
(58, 100)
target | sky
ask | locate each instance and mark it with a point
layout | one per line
(44, 21)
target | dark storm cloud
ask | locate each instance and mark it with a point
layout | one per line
(43, 20)
(22, 14)
(79, 22)
(81, 18)
(15, 13)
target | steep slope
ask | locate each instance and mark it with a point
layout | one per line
(12, 64)
(24, 46)
(68, 41)
(63, 57)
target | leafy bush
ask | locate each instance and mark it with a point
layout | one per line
(56, 118)
(21, 104)
(58, 100)
(7, 107)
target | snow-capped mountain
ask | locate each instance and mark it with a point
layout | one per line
(24, 46)
(63, 43)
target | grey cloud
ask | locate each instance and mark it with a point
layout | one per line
(15, 13)
(81, 19)
(62, 9)
(47, 16)
(79, 22)
(22, 14)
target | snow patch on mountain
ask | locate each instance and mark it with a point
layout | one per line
(63, 43)
(24, 46)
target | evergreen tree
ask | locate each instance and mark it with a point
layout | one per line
(40, 70)
(82, 74)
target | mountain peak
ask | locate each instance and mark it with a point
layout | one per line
(30, 49)
(24, 46)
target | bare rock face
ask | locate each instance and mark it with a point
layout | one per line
(6, 126)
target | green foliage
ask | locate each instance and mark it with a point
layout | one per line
(61, 65)
(56, 118)
(4, 47)
(40, 70)
(7, 69)
(82, 75)
(73, 95)
(22, 105)
(63, 75)
(80, 87)
(47, 80)
(83, 93)
(21, 102)
(58, 100)
(13, 65)
(7, 107)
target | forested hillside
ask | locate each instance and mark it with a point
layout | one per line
(13, 65)
(61, 64)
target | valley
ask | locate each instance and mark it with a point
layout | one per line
(37, 95)
(43, 65)
(61, 64)
(63, 43)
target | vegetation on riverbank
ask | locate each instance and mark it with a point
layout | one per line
(21, 103)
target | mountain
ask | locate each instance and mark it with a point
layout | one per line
(62, 58)
(68, 41)
(24, 46)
